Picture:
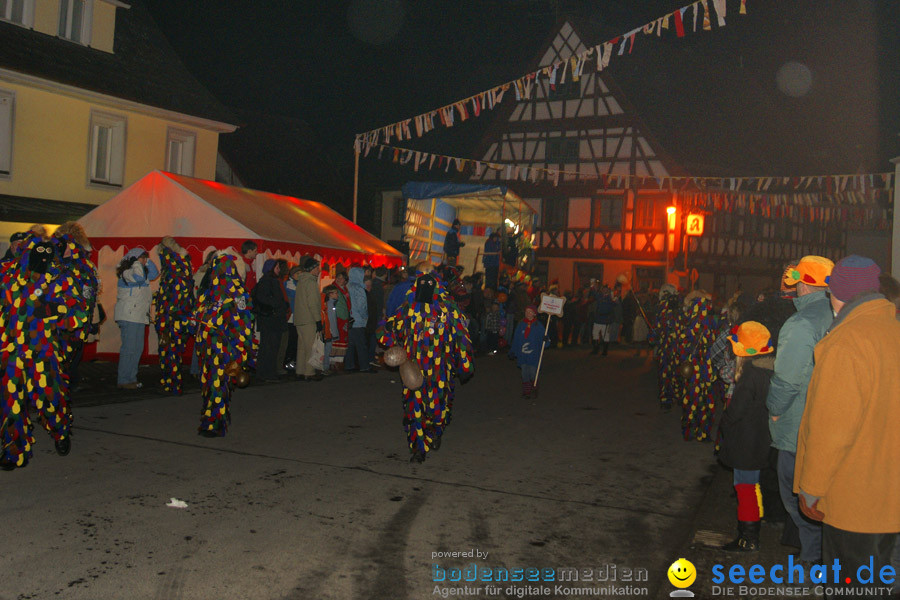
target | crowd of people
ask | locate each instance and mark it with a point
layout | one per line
(803, 381)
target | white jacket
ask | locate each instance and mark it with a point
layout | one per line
(133, 295)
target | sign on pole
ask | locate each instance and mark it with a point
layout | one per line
(552, 305)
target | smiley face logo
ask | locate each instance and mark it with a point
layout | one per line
(682, 573)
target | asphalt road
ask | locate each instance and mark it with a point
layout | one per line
(311, 494)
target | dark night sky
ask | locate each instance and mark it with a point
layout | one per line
(351, 65)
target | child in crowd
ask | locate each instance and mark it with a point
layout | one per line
(492, 327)
(745, 429)
(329, 324)
(526, 348)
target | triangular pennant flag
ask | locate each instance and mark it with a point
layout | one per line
(707, 26)
(720, 11)
(679, 23)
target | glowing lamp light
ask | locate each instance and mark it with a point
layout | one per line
(670, 210)
(513, 225)
(670, 217)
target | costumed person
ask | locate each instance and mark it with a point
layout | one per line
(73, 248)
(174, 302)
(745, 428)
(664, 338)
(698, 404)
(224, 339)
(431, 331)
(527, 342)
(37, 300)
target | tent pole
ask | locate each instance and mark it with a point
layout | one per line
(355, 177)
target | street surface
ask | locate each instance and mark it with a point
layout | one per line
(311, 494)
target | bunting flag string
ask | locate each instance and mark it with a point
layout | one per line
(853, 189)
(572, 68)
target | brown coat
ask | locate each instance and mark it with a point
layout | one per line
(849, 440)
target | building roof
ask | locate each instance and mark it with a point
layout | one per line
(143, 68)
(40, 210)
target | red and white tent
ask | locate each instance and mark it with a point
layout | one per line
(204, 215)
(200, 213)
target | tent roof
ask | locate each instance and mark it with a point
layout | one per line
(161, 204)
(465, 195)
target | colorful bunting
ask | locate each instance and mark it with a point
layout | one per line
(573, 68)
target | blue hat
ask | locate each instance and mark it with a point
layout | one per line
(135, 253)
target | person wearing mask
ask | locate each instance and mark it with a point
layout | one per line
(174, 305)
(132, 312)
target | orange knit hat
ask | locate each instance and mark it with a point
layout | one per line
(811, 270)
(750, 339)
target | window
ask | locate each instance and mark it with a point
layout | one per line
(75, 20)
(7, 103)
(20, 12)
(561, 150)
(607, 213)
(584, 272)
(180, 146)
(399, 212)
(107, 153)
(570, 90)
(649, 213)
(554, 213)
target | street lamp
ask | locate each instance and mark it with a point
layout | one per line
(670, 227)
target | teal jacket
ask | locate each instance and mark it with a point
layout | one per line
(794, 367)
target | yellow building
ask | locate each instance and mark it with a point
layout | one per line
(92, 98)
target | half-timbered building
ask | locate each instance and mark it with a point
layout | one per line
(610, 199)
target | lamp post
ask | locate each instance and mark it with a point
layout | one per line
(670, 227)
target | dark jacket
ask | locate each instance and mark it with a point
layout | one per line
(604, 310)
(452, 243)
(744, 426)
(272, 303)
(491, 256)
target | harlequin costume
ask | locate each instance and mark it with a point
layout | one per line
(432, 331)
(84, 286)
(224, 335)
(664, 337)
(698, 404)
(37, 302)
(174, 302)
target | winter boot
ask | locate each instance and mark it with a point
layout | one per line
(596, 349)
(747, 539)
(63, 445)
